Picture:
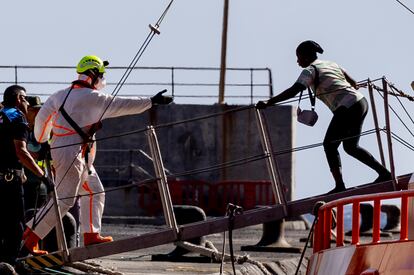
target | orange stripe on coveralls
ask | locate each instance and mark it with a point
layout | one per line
(61, 126)
(88, 189)
(69, 132)
(45, 125)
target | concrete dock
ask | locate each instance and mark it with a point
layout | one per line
(139, 262)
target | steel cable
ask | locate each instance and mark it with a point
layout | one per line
(296, 99)
(233, 162)
(45, 210)
(159, 126)
(402, 141)
(221, 165)
(402, 105)
(203, 117)
(112, 189)
(407, 8)
(134, 61)
(227, 164)
(395, 113)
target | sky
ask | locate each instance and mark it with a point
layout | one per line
(370, 39)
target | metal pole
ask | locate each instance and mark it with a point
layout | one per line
(270, 82)
(271, 166)
(15, 74)
(60, 232)
(162, 180)
(388, 126)
(223, 52)
(172, 81)
(251, 86)
(374, 114)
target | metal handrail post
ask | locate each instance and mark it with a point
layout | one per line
(251, 86)
(388, 126)
(172, 81)
(15, 74)
(157, 173)
(271, 165)
(270, 82)
(162, 180)
(60, 231)
(375, 116)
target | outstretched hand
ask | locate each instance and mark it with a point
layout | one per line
(161, 99)
(261, 104)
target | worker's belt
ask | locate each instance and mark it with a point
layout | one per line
(9, 175)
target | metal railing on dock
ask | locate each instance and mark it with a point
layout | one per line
(187, 84)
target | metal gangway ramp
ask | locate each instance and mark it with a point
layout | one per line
(177, 233)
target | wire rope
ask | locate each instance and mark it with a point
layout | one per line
(395, 113)
(405, 109)
(160, 126)
(46, 209)
(407, 8)
(402, 141)
(295, 99)
(228, 164)
(134, 61)
(233, 162)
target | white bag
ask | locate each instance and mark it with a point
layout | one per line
(307, 117)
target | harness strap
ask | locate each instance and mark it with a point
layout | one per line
(312, 97)
(86, 137)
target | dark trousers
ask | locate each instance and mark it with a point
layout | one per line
(12, 219)
(346, 127)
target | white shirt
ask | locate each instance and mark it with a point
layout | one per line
(333, 89)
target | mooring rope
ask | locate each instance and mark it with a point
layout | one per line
(88, 267)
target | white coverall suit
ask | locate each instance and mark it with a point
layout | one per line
(85, 106)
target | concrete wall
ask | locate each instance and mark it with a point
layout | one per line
(191, 145)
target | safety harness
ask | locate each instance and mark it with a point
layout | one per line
(86, 136)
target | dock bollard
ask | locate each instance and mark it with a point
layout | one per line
(273, 239)
(184, 214)
(366, 211)
(393, 218)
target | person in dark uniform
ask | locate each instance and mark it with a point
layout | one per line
(14, 156)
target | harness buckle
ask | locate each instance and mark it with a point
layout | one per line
(9, 176)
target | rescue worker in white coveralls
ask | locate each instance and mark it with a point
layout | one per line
(72, 115)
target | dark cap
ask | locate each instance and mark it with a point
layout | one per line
(34, 101)
(309, 47)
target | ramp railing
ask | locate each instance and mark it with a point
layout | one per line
(322, 235)
(324, 225)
